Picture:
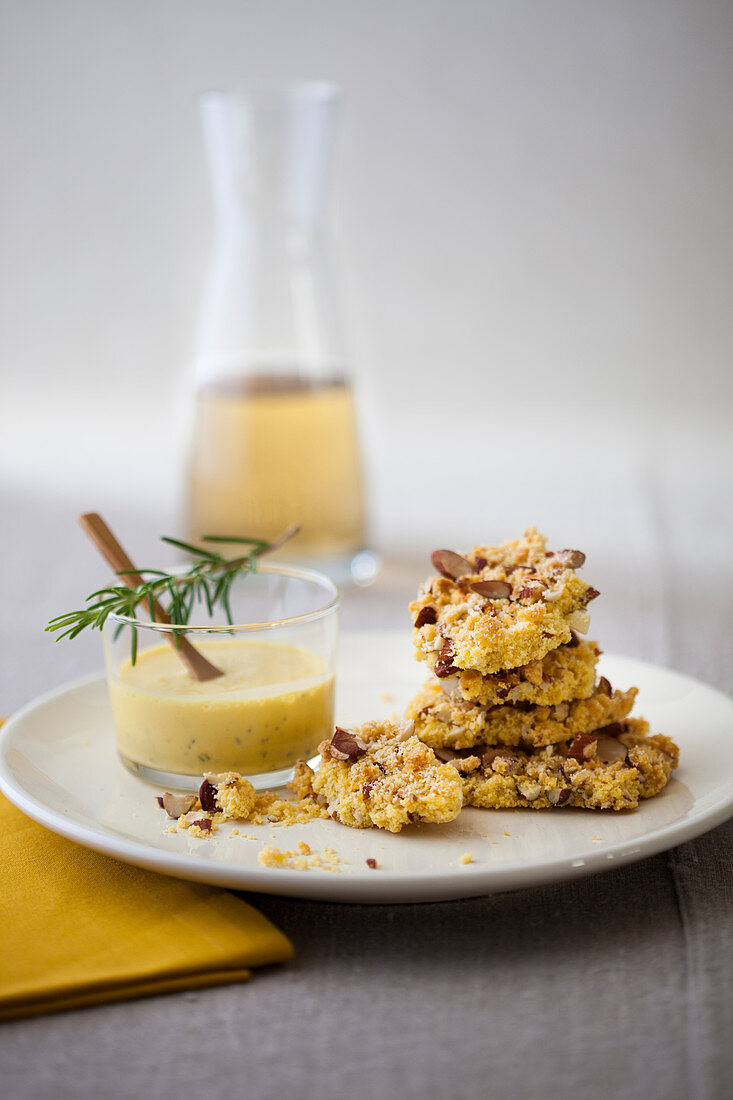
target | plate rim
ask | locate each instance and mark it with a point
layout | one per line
(358, 887)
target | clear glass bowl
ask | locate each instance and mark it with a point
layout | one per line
(272, 705)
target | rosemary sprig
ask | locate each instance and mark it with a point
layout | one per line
(208, 580)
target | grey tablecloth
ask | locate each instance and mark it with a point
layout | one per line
(618, 985)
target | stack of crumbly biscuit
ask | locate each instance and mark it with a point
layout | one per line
(513, 717)
(514, 703)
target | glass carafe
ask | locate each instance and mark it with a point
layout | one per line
(275, 435)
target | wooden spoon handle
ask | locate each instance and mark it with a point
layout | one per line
(110, 549)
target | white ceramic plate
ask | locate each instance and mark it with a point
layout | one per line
(58, 765)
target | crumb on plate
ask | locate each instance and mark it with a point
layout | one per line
(300, 859)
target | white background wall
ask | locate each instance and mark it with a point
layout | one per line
(534, 235)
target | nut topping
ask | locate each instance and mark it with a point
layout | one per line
(493, 590)
(444, 665)
(603, 687)
(529, 789)
(532, 591)
(371, 864)
(503, 760)
(464, 765)
(450, 564)
(557, 796)
(591, 594)
(175, 805)
(425, 616)
(573, 559)
(583, 747)
(609, 749)
(479, 563)
(207, 796)
(346, 745)
(579, 620)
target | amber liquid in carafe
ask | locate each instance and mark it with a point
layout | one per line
(273, 450)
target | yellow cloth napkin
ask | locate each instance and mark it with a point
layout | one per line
(78, 928)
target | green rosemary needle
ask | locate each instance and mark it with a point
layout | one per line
(208, 580)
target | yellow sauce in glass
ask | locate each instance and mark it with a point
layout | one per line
(272, 706)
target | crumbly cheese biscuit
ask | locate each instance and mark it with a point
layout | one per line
(568, 672)
(612, 769)
(452, 723)
(501, 606)
(381, 775)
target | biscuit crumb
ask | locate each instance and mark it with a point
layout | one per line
(301, 859)
(197, 823)
(235, 799)
(466, 858)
